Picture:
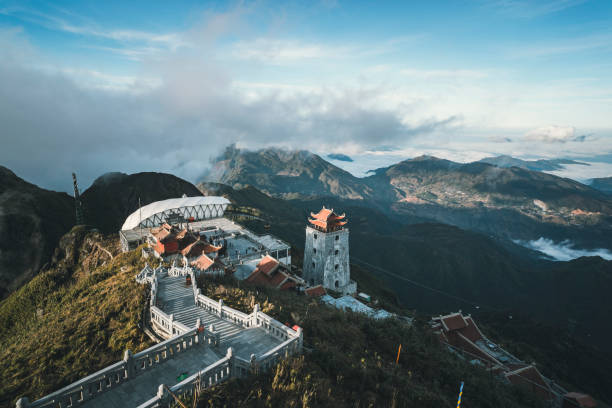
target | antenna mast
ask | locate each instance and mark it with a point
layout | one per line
(77, 202)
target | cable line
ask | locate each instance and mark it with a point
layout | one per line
(423, 286)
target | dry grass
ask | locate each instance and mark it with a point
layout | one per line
(62, 326)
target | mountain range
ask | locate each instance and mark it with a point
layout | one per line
(535, 165)
(512, 203)
(427, 265)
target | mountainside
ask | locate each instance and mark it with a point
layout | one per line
(84, 321)
(72, 319)
(535, 165)
(32, 219)
(436, 268)
(285, 173)
(512, 203)
(31, 222)
(472, 270)
(114, 196)
(603, 184)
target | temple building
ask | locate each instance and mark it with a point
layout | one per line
(326, 254)
(270, 272)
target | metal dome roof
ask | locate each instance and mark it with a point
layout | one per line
(158, 207)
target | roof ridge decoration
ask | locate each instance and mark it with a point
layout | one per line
(327, 220)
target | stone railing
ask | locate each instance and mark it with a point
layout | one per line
(214, 374)
(110, 377)
(271, 357)
(273, 326)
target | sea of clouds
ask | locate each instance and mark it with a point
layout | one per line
(564, 250)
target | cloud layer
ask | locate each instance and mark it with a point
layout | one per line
(563, 251)
(53, 125)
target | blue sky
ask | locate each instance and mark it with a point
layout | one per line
(133, 86)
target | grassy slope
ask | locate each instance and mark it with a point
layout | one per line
(58, 328)
(350, 362)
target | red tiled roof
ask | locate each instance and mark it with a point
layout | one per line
(268, 273)
(530, 376)
(453, 321)
(327, 220)
(323, 214)
(288, 285)
(318, 290)
(471, 331)
(197, 247)
(582, 400)
(267, 265)
(203, 262)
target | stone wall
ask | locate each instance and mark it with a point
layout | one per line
(326, 259)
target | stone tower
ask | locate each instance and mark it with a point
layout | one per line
(326, 254)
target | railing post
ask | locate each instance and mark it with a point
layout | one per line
(198, 333)
(23, 402)
(129, 364)
(230, 356)
(161, 394)
(253, 364)
(254, 315)
(220, 307)
(171, 328)
(300, 338)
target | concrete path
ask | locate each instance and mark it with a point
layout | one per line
(174, 297)
(144, 387)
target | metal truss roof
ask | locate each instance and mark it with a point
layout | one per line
(156, 213)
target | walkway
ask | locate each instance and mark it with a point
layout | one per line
(174, 297)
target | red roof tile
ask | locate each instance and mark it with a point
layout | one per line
(453, 322)
(530, 377)
(318, 290)
(203, 262)
(267, 265)
(268, 273)
(327, 220)
(578, 400)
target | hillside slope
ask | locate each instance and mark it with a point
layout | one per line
(72, 319)
(285, 173)
(31, 222)
(603, 184)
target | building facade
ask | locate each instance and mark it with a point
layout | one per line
(326, 254)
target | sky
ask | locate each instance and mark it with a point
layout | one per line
(94, 87)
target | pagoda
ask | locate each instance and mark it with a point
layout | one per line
(326, 253)
(327, 220)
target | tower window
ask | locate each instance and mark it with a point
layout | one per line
(336, 252)
(336, 284)
(337, 237)
(315, 236)
(314, 250)
(336, 267)
(313, 264)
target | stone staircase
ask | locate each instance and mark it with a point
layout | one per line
(176, 298)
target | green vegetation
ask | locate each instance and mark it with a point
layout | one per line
(349, 361)
(69, 322)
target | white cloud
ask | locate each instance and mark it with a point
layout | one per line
(552, 134)
(274, 51)
(564, 250)
(532, 8)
